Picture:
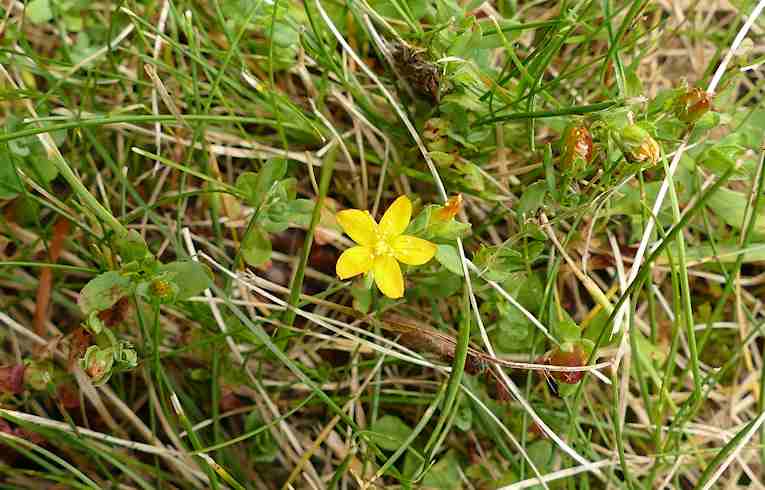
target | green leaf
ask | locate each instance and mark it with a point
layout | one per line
(634, 86)
(98, 363)
(190, 276)
(10, 183)
(467, 42)
(514, 332)
(280, 214)
(256, 187)
(499, 262)
(362, 295)
(272, 171)
(246, 184)
(445, 474)
(256, 247)
(40, 167)
(541, 452)
(532, 199)
(131, 247)
(472, 176)
(264, 448)
(420, 222)
(449, 257)
(387, 8)
(566, 330)
(719, 158)
(440, 285)
(449, 229)
(527, 289)
(103, 292)
(464, 418)
(443, 159)
(730, 206)
(39, 11)
(389, 432)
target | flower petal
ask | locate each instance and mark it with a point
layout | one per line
(412, 250)
(354, 261)
(388, 276)
(396, 217)
(359, 225)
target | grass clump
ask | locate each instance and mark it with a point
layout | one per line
(567, 297)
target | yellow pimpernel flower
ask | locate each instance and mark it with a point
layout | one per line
(382, 246)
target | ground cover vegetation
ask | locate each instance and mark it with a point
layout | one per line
(381, 244)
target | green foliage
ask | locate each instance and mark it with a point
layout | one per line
(100, 363)
(444, 474)
(730, 206)
(264, 449)
(361, 291)
(103, 291)
(448, 256)
(499, 262)
(441, 284)
(256, 187)
(132, 247)
(191, 277)
(28, 155)
(276, 208)
(493, 90)
(39, 11)
(512, 331)
(10, 183)
(389, 432)
(256, 246)
(430, 226)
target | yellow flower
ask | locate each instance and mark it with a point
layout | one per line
(381, 247)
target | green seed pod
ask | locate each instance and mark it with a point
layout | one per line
(638, 145)
(98, 363)
(125, 357)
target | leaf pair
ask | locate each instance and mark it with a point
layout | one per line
(276, 208)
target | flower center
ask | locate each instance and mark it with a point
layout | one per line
(382, 248)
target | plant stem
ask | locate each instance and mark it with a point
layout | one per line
(327, 168)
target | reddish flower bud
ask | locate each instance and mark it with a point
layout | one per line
(450, 209)
(577, 148)
(574, 357)
(536, 430)
(502, 393)
(12, 379)
(692, 105)
(69, 396)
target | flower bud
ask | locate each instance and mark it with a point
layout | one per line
(450, 209)
(570, 358)
(577, 151)
(639, 146)
(163, 290)
(12, 379)
(692, 105)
